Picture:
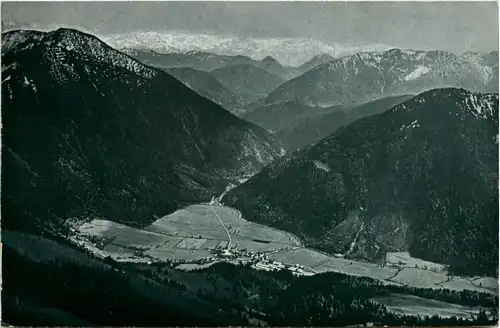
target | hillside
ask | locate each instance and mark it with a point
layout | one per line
(90, 132)
(199, 60)
(310, 129)
(371, 75)
(246, 80)
(273, 66)
(315, 61)
(422, 177)
(205, 84)
(280, 116)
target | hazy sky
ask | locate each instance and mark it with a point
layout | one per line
(454, 26)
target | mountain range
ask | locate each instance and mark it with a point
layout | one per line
(280, 116)
(367, 76)
(207, 85)
(357, 162)
(315, 61)
(310, 129)
(200, 60)
(90, 132)
(207, 61)
(247, 81)
(422, 177)
(298, 126)
(288, 51)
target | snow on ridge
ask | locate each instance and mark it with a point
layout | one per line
(409, 52)
(62, 41)
(14, 39)
(288, 51)
(73, 41)
(481, 105)
(419, 71)
(322, 166)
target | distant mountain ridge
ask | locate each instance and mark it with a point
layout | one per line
(207, 85)
(90, 132)
(207, 61)
(315, 61)
(422, 177)
(310, 129)
(247, 81)
(369, 75)
(288, 51)
(200, 60)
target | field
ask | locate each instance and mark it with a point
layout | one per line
(185, 235)
(320, 262)
(486, 284)
(302, 256)
(414, 305)
(192, 234)
(194, 266)
(369, 270)
(411, 276)
(403, 259)
(420, 277)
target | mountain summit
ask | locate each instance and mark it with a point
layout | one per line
(421, 177)
(90, 132)
(367, 76)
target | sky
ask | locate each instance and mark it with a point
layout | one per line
(452, 26)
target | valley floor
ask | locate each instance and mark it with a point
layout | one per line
(203, 234)
(418, 306)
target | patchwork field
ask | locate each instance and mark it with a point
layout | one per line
(185, 235)
(420, 277)
(369, 270)
(411, 276)
(414, 305)
(193, 233)
(461, 283)
(178, 254)
(486, 282)
(404, 259)
(302, 256)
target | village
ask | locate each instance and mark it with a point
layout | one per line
(257, 260)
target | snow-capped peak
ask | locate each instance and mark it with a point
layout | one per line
(61, 42)
(287, 51)
(419, 71)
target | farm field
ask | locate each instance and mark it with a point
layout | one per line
(193, 233)
(302, 256)
(420, 277)
(486, 282)
(185, 235)
(461, 283)
(194, 266)
(177, 254)
(411, 276)
(200, 221)
(403, 259)
(414, 305)
(369, 270)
